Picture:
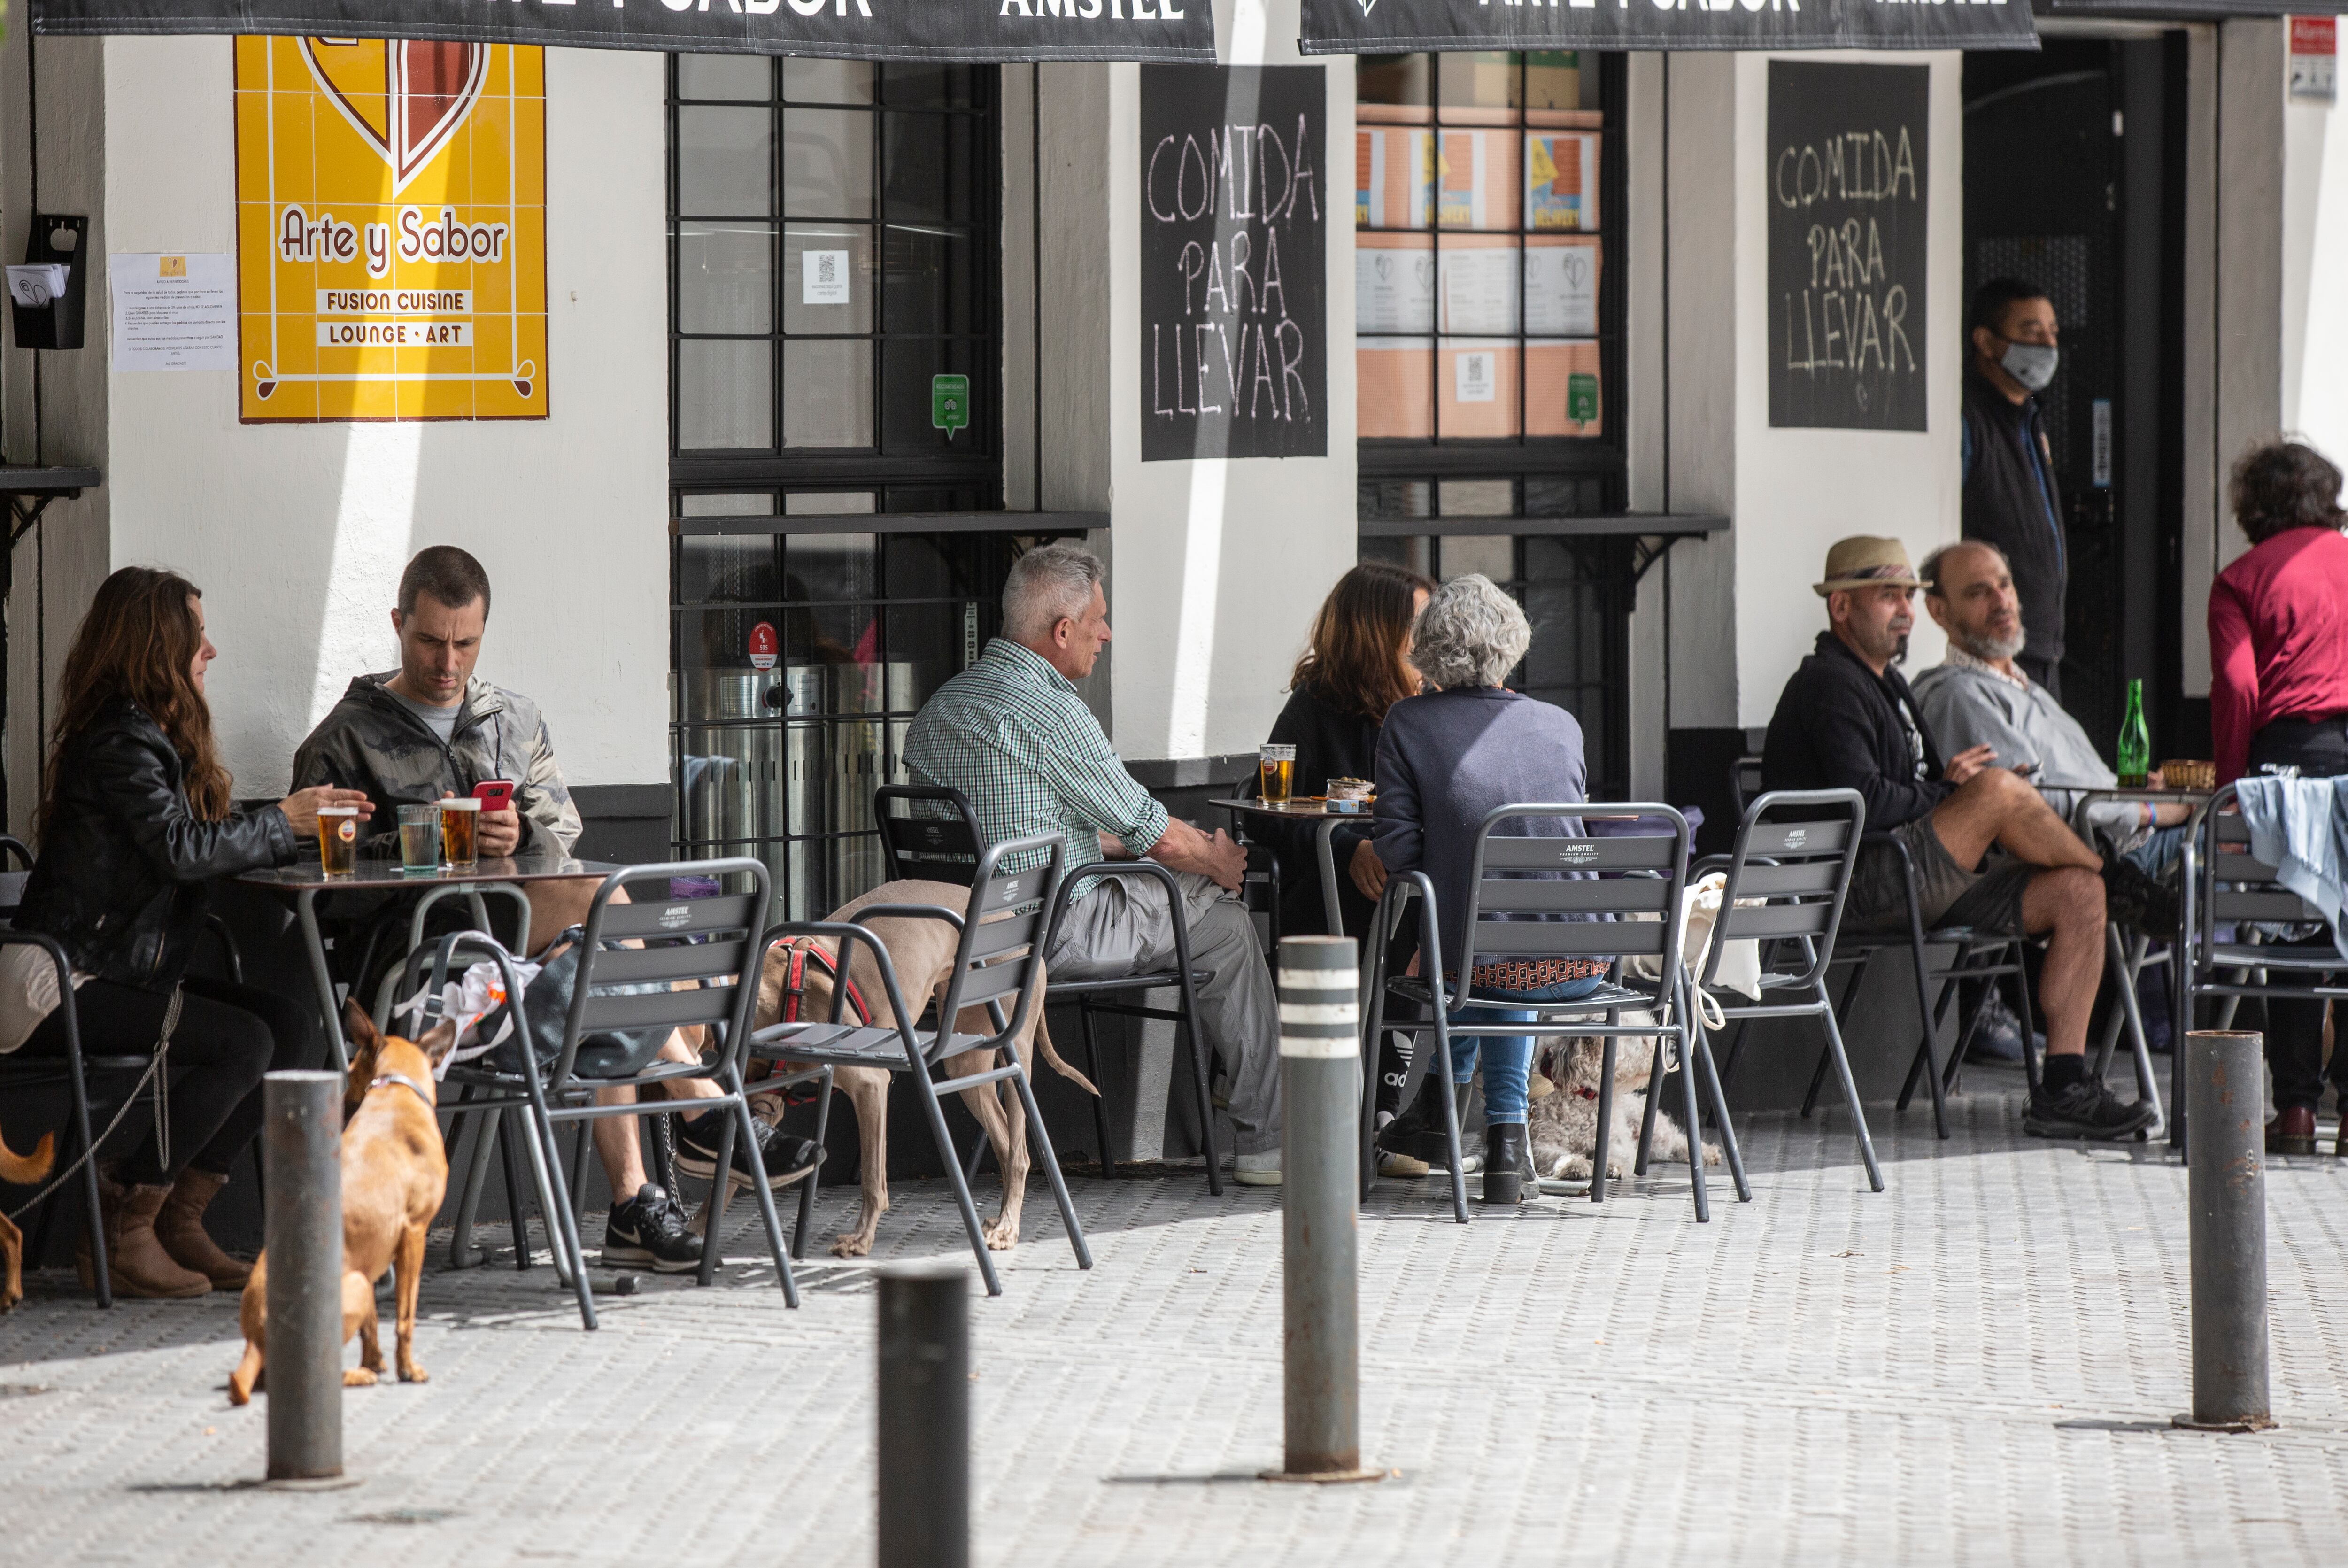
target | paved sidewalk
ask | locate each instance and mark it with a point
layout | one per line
(1976, 1366)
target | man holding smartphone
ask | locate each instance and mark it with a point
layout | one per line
(430, 730)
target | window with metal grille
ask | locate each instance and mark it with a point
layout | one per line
(1488, 202)
(834, 250)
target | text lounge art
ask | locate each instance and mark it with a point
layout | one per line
(391, 230)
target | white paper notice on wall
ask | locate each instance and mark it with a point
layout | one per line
(1561, 287)
(1475, 376)
(823, 277)
(2314, 58)
(173, 311)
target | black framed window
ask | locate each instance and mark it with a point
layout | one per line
(834, 246)
(1489, 215)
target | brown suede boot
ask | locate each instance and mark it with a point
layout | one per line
(180, 1228)
(136, 1264)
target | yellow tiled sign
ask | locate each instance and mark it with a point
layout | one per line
(391, 230)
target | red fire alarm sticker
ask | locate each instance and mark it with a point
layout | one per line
(763, 646)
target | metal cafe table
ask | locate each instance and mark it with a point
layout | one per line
(1314, 810)
(504, 878)
(2126, 954)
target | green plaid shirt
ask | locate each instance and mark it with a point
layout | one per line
(1013, 735)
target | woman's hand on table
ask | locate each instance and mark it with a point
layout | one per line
(1368, 871)
(300, 808)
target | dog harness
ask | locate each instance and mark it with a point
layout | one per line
(804, 950)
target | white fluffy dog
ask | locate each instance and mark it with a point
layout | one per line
(1564, 1122)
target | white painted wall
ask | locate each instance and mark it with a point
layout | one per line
(1219, 565)
(1797, 492)
(2314, 263)
(297, 534)
(1743, 612)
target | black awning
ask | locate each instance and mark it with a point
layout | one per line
(1378, 26)
(2188, 10)
(945, 30)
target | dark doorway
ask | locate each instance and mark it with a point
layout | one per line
(2075, 182)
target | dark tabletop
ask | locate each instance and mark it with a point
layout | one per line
(1311, 810)
(382, 874)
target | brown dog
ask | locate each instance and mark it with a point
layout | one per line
(395, 1172)
(923, 951)
(21, 1170)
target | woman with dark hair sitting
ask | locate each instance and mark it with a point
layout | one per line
(1356, 665)
(2279, 697)
(135, 819)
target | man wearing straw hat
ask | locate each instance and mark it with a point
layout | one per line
(1987, 852)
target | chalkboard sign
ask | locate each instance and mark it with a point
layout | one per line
(1234, 342)
(1848, 188)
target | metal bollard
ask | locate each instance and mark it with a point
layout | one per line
(301, 1148)
(1320, 1097)
(2227, 1199)
(925, 1449)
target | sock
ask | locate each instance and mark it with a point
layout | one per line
(2062, 1072)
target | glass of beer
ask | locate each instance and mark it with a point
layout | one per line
(460, 832)
(338, 839)
(1277, 767)
(419, 839)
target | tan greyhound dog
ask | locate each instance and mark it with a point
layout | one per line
(923, 951)
(394, 1172)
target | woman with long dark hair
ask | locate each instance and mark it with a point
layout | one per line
(1356, 665)
(135, 819)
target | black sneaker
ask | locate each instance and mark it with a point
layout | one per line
(786, 1157)
(2086, 1109)
(2139, 903)
(651, 1229)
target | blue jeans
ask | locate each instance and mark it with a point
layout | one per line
(2158, 854)
(1507, 1058)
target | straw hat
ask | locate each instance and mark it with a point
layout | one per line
(1864, 562)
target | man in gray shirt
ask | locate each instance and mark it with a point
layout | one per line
(1981, 697)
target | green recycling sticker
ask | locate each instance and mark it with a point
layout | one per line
(1582, 398)
(949, 402)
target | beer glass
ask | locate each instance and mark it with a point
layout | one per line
(419, 839)
(460, 832)
(338, 839)
(1277, 767)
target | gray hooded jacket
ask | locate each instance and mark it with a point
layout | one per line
(372, 741)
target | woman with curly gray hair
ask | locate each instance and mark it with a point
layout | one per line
(1445, 760)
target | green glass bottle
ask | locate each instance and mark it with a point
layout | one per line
(2135, 742)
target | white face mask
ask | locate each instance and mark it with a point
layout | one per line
(2031, 364)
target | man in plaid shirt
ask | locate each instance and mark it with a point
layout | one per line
(1013, 733)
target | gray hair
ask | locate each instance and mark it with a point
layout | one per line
(1469, 635)
(1046, 586)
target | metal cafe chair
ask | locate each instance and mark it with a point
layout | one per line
(939, 838)
(2225, 884)
(995, 960)
(1628, 898)
(1785, 886)
(690, 962)
(78, 1068)
(1982, 959)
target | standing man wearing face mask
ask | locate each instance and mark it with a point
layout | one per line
(2010, 499)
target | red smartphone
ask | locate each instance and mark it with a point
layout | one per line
(494, 795)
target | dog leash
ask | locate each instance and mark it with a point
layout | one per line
(162, 1117)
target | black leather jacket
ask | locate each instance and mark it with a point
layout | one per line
(120, 879)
